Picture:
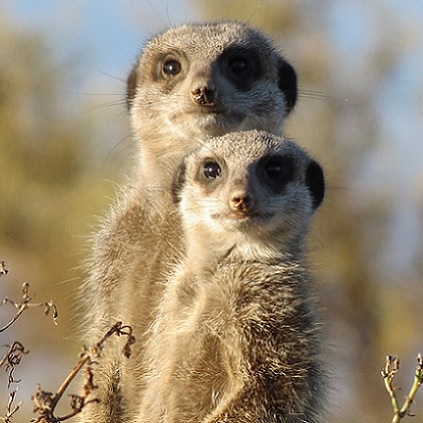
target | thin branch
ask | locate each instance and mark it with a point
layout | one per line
(25, 304)
(10, 409)
(13, 357)
(388, 374)
(16, 351)
(3, 270)
(46, 402)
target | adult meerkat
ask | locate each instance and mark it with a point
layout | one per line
(236, 339)
(190, 82)
(204, 79)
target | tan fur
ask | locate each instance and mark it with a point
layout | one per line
(140, 241)
(236, 338)
(165, 117)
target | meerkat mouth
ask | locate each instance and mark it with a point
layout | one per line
(253, 218)
(217, 111)
(220, 120)
(214, 110)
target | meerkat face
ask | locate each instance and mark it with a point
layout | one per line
(250, 185)
(210, 79)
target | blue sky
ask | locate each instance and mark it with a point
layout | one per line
(112, 31)
(108, 35)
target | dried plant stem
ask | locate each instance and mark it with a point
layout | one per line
(22, 308)
(25, 304)
(12, 358)
(62, 388)
(388, 374)
(3, 270)
(46, 402)
(16, 351)
(10, 409)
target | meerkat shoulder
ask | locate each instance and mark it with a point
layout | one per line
(189, 83)
(236, 337)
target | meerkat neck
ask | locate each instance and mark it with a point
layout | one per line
(161, 156)
(205, 252)
(153, 175)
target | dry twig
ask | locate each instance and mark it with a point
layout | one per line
(388, 374)
(46, 402)
(16, 351)
(25, 304)
(3, 270)
(10, 409)
(13, 357)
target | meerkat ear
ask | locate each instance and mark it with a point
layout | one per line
(131, 87)
(178, 182)
(315, 181)
(288, 83)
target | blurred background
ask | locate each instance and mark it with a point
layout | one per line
(65, 146)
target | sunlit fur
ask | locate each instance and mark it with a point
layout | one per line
(236, 339)
(258, 236)
(139, 241)
(166, 120)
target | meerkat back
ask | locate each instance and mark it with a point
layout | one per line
(190, 82)
(236, 338)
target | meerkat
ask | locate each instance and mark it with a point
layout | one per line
(190, 82)
(236, 338)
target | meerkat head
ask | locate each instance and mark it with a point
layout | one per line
(210, 79)
(250, 191)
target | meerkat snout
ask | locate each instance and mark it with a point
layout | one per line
(204, 95)
(250, 182)
(237, 338)
(190, 83)
(208, 79)
(241, 201)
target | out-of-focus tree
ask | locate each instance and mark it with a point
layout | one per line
(52, 182)
(51, 187)
(336, 118)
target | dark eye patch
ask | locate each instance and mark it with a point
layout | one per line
(277, 171)
(241, 66)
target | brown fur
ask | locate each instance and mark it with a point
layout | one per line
(236, 338)
(139, 242)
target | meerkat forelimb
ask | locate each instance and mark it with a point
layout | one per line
(236, 338)
(190, 82)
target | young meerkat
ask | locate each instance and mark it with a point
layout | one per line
(236, 338)
(190, 82)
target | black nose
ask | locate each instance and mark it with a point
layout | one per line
(204, 96)
(241, 202)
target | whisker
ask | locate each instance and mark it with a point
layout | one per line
(317, 95)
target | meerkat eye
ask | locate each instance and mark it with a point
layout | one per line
(239, 65)
(171, 67)
(278, 169)
(211, 169)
